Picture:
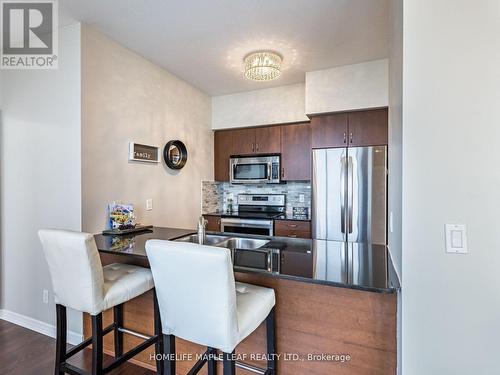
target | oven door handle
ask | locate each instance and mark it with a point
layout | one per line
(248, 222)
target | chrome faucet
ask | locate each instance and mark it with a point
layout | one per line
(201, 230)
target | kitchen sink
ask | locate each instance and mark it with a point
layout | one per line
(226, 241)
(210, 239)
(243, 243)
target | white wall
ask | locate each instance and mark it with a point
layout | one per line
(451, 174)
(40, 181)
(396, 150)
(277, 105)
(126, 98)
(348, 87)
(396, 131)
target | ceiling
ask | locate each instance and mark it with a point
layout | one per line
(204, 41)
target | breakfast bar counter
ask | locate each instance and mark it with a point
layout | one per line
(335, 308)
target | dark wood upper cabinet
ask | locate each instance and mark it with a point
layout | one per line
(243, 141)
(350, 129)
(368, 128)
(263, 140)
(223, 146)
(329, 130)
(268, 140)
(296, 152)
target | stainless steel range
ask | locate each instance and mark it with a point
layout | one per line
(255, 215)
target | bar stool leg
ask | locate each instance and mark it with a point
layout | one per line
(271, 342)
(229, 363)
(60, 338)
(169, 352)
(118, 336)
(97, 347)
(159, 347)
(212, 363)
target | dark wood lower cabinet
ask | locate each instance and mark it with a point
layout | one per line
(310, 319)
(292, 228)
(213, 223)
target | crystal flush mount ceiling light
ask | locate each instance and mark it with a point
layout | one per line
(262, 66)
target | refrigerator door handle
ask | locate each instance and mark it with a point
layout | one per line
(342, 194)
(350, 195)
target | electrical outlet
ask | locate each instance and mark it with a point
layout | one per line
(45, 296)
(149, 204)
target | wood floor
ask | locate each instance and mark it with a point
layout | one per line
(25, 352)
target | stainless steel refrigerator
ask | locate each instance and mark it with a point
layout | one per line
(349, 207)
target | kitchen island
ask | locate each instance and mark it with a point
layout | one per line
(338, 305)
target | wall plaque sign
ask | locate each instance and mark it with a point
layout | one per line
(139, 152)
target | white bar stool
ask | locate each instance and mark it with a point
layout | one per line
(200, 302)
(81, 283)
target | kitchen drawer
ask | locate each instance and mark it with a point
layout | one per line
(213, 223)
(290, 228)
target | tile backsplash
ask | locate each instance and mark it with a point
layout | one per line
(214, 195)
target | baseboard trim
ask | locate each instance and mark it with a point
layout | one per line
(46, 329)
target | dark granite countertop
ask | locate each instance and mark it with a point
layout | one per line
(361, 267)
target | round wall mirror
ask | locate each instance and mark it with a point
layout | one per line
(175, 154)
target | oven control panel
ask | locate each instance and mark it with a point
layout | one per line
(262, 199)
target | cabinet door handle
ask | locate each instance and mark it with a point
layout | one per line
(283, 172)
(350, 137)
(345, 137)
(253, 147)
(292, 225)
(292, 235)
(257, 147)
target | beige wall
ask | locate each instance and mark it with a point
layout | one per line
(348, 87)
(126, 98)
(342, 88)
(275, 105)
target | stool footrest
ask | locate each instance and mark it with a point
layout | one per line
(73, 370)
(87, 342)
(131, 353)
(251, 368)
(200, 363)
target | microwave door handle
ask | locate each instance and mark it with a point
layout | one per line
(269, 171)
(232, 171)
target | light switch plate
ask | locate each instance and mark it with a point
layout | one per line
(149, 204)
(456, 238)
(302, 198)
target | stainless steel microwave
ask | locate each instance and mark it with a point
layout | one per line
(255, 169)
